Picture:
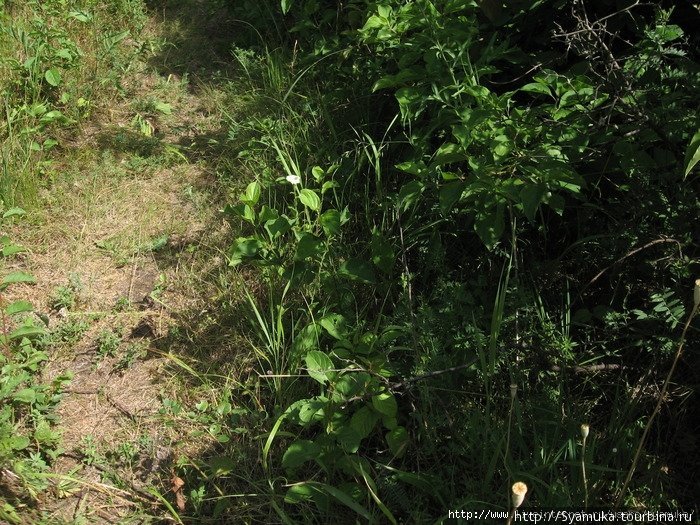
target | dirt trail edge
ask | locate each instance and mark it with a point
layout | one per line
(128, 225)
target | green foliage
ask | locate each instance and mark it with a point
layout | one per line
(448, 200)
(57, 58)
(28, 440)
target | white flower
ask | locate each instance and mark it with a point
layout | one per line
(293, 179)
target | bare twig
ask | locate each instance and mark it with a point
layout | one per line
(627, 256)
(587, 369)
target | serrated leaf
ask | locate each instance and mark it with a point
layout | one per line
(18, 442)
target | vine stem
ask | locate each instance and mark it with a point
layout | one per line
(657, 408)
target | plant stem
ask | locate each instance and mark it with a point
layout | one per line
(583, 469)
(657, 408)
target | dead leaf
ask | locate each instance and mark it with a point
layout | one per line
(176, 487)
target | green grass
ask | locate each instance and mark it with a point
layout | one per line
(299, 308)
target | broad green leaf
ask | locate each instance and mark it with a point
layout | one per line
(385, 404)
(330, 222)
(531, 198)
(12, 249)
(319, 366)
(406, 97)
(27, 331)
(53, 77)
(312, 410)
(221, 465)
(268, 214)
(81, 16)
(414, 168)
(286, 5)
(13, 212)
(351, 384)
(310, 199)
(334, 324)
(26, 395)
(300, 452)
(536, 87)
(490, 224)
(358, 270)
(382, 252)
(308, 246)
(364, 421)
(318, 173)
(307, 489)
(243, 248)
(278, 227)
(164, 108)
(397, 439)
(18, 307)
(299, 493)
(348, 438)
(692, 154)
(17, 277)
(306, 339)
(450, 194)
(409, 193)
(252, 193)
(448, 153)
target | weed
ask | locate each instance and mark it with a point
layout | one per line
(66, 296)
(69, 331)
(108, 342)
(132, 352)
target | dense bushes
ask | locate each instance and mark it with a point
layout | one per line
(462, 209)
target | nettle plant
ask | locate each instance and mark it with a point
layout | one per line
(27, 438)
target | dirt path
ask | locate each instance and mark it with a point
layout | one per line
(123, 242)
